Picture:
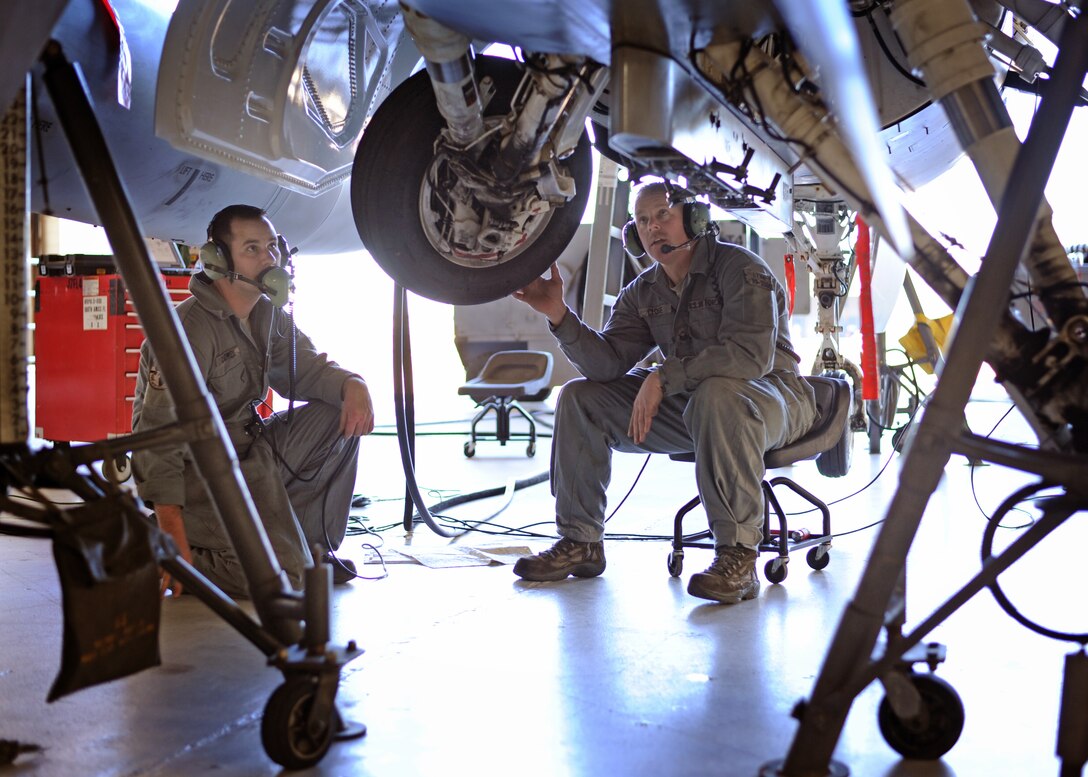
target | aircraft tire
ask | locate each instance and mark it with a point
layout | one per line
(393, 158)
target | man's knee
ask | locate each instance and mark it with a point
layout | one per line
(721, 398)
(574, 389)
(323, 416)
(578, 394)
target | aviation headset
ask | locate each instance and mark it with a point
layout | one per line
(696, 221)
(217, 262)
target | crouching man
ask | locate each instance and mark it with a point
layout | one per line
(300, 466)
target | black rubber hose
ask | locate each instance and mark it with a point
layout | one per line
(489, 492)
(404, 405)
(403, 400)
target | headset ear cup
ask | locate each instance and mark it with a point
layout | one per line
(696, 218)
(213, 261)
(632, 244)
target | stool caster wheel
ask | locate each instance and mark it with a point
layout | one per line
(676, 563)
(937, 726)
(818, 560)
(470, 450)
(775, 570)
(530, 450)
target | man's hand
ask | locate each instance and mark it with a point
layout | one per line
(169, 517)
(645, 408)
(545, 295)
(357, 413)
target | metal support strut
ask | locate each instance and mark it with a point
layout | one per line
(214, 456)
(877, 601)
(311, 666)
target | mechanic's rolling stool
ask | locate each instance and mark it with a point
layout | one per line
(827, 435)
(508, 376)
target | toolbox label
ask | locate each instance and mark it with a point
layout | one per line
(90, 287)
(94, 312)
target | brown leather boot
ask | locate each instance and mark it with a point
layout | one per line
(731, 578)
(564, 558)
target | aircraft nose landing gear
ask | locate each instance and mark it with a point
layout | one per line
(300, 719)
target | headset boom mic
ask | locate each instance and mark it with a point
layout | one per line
(276, 283)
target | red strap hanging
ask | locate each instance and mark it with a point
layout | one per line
(869, 385)
(791, 280)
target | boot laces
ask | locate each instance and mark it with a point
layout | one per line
(730, 560)
(562, 547)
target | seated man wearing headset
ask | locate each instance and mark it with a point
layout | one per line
(300, 465)
(729, 389)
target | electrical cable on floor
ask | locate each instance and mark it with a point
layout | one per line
(40, 500)
(909, 383)
(523, 530)
(538, 479)
(381, 560)
(974, 494)
(505, 531)
(632, 488)
(330, 554)
(875, 477)
(1031, 491)
(536, 414)
(390, 430)
(441, 434)
(881, 472)
(509, 489)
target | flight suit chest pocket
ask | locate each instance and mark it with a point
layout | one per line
(660, 319)
(227, 371)
(705, 317)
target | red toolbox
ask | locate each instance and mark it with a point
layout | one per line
(87, 342)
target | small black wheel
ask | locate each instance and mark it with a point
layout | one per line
(117, 469)
(470, 450)
(774, 571)
(284, 732)
(676, 564)
(937, 728)
(818, 560)
(530, 450)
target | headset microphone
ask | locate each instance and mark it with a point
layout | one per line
(668, 249)
(710, 229)
(275, 281)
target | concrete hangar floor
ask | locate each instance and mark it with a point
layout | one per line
(468, 670)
